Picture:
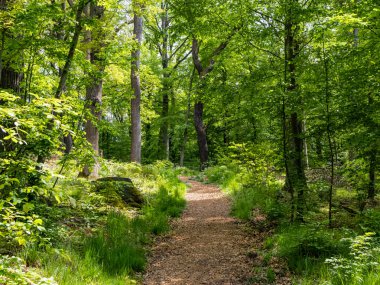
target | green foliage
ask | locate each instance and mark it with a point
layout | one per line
(87, 239)
(370, 221)
(362, 263)
(117, 246)
(13, 271)
(69, 267)
(18, 229)
(244, 183)
(305, 246)
(271, 276)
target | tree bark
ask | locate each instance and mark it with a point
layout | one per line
(186, 131)
(73, 46)
(94, 90)
(372, 175)
(9, 77)
(329, 133)
(135, 82)
(67, 140)
(201, 134)
(164, 147)
(198, 107)
(295, 176)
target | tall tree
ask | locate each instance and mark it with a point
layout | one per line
(136, 86)
(94, 89)
(173, 49)
(11, 73)
(294, 154)
(203, 71)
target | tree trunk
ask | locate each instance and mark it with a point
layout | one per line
(318, 145)
(201, 134)
(305, 146)
(68, 141)
(185, 133)
(372, 175)
(164, 147)
(73, 46)
(135, 82)
(164, 128)
(296, 165)
(329, 132)
(9, 77)
(94, 91)
(296, 179)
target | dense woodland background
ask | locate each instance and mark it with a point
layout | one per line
(277, 101)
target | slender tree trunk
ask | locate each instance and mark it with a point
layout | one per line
(372, 175)
(295, 179)
(164, 147)
(9, 77)
(297, 174)
(288, 183)
(305, 146)
(68, 140)
(64, 73)
(164, 128)
(135, 82)
(1, 51)
(94, 90)
(201, 134)
(329, 132)
(356, 37)
(318, 145)
(73, 45)
(185, 133)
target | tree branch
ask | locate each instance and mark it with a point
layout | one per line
(181, 60)
(178, 48)
(195, 55)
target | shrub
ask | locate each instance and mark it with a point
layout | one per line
(362, 265)
(14, 272)
(305, 246)
(371, 221)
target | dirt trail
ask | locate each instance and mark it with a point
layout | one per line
(207, 246)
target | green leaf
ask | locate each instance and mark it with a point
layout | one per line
(38, 222)
(27, 207)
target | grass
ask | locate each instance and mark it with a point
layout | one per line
(89, 241)
(69, 267)
(305, 247)
(118, 246)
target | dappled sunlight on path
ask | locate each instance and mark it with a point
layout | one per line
(207, 246)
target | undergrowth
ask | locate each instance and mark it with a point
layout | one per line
(83, 239)
(314, 253)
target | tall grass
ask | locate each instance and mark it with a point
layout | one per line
(314, 253)
(118, 247)
(68, 267)
(93, 242)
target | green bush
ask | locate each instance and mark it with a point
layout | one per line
(13, 271)
(371, 221)
(362, 265)
(306, 246)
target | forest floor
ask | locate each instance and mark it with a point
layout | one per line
(206, 246)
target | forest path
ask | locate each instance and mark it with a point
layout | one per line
(207, 246)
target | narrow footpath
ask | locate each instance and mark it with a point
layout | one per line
(207, 246)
